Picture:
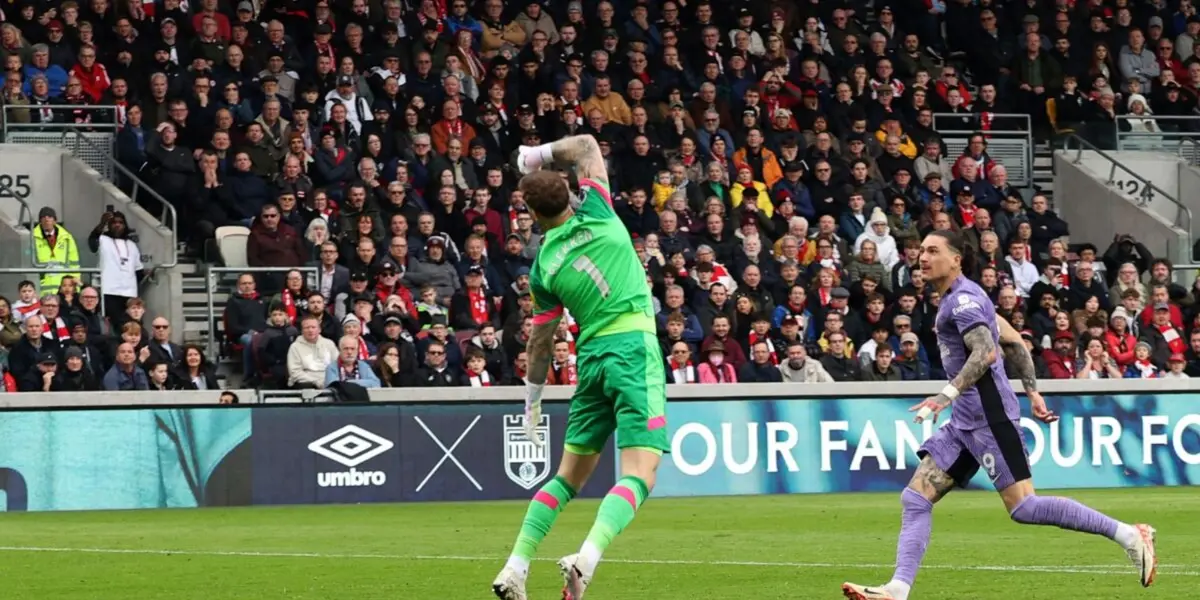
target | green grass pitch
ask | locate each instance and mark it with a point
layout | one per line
(793, 547)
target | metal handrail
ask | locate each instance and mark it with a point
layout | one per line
(6, 126)
(1125, 138)
(213, 275)
(1026, 133)
(168, 208)
(1195, 151)
(54, 271)
(1148, 191)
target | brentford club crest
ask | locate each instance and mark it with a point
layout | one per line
(526, 464)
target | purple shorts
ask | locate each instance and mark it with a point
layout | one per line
(999, 448)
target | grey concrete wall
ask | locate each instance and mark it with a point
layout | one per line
(1096, 212)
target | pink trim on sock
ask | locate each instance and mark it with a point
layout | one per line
(546, 498)
(626, 493)
(548, 316)
(656, 423)
(598, 188)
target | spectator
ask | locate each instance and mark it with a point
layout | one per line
(761, 368)
(10, 327)
(160, 378)
(798, 368)
(1060, 362)
(274, 244)
(1162, 336)
(120, 261)
(349, 367)
(910, 364)
(196, 372)
(162, 349)
(881, 367)
(1143, 366)
(55, 248)
(77, 376)
(1096, 362)
(838, 362)
(437, 372)
(1175, 367)
(310, 356)
(713, 368)
(43, 378)
(125, 374)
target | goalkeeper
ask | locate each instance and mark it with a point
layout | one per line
(587, 265)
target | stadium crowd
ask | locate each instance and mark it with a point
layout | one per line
(775, 163)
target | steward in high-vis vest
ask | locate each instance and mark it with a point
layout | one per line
(55, 248)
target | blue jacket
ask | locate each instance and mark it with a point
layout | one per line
(366, 375)
(693, 333)
(467, 22)
(800, 198)
(117, 380)
(55, 76)
(850, 228)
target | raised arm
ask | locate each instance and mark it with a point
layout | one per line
(581, 151)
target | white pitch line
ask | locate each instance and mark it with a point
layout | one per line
(1124, 570)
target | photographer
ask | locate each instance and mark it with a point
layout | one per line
(120, 261)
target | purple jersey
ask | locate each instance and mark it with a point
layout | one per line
(964, 307)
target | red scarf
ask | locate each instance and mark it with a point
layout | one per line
(455, 128)
(479, 306)
(480, 379)
(565, 374)
(968, 216)
(363, 352)
(60, 330)
(687, 370)
(824, 296)
(1174, 340)
(1146, 368)
(349, 374)
(766, 339)
(289, 304)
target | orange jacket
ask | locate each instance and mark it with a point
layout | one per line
(772, 171)
(439, 136)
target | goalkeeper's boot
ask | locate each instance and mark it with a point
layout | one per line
(576, 576)
(509, 585)
(1143, 556)
(853, 591)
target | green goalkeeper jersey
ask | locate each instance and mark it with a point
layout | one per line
(588, 266)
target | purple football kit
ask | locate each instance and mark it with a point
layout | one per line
(984, 429)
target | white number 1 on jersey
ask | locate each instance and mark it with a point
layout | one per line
(583, 264)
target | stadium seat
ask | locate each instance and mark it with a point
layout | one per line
(231, 240)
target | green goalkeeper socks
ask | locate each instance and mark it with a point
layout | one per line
(543, 510)
(617, 511)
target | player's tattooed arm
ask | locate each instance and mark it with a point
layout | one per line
(584, 152)
(1017, 355)
(1021, 360)
(982, 350)
(540, 350)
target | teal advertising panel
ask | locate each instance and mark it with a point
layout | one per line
(785, 446)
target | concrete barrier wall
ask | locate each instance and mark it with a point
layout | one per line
(1097, 211)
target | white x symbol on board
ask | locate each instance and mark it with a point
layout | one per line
(448, 453)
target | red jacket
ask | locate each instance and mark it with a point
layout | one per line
(95, 82)
(1147, 316)
(1059, 366)
(1120, 348)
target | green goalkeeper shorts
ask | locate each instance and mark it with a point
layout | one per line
(622, 388)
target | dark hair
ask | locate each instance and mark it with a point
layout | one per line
(545, 193)
(959, 246)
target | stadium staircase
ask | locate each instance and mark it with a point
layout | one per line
(197, 322)
(1043, 171)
